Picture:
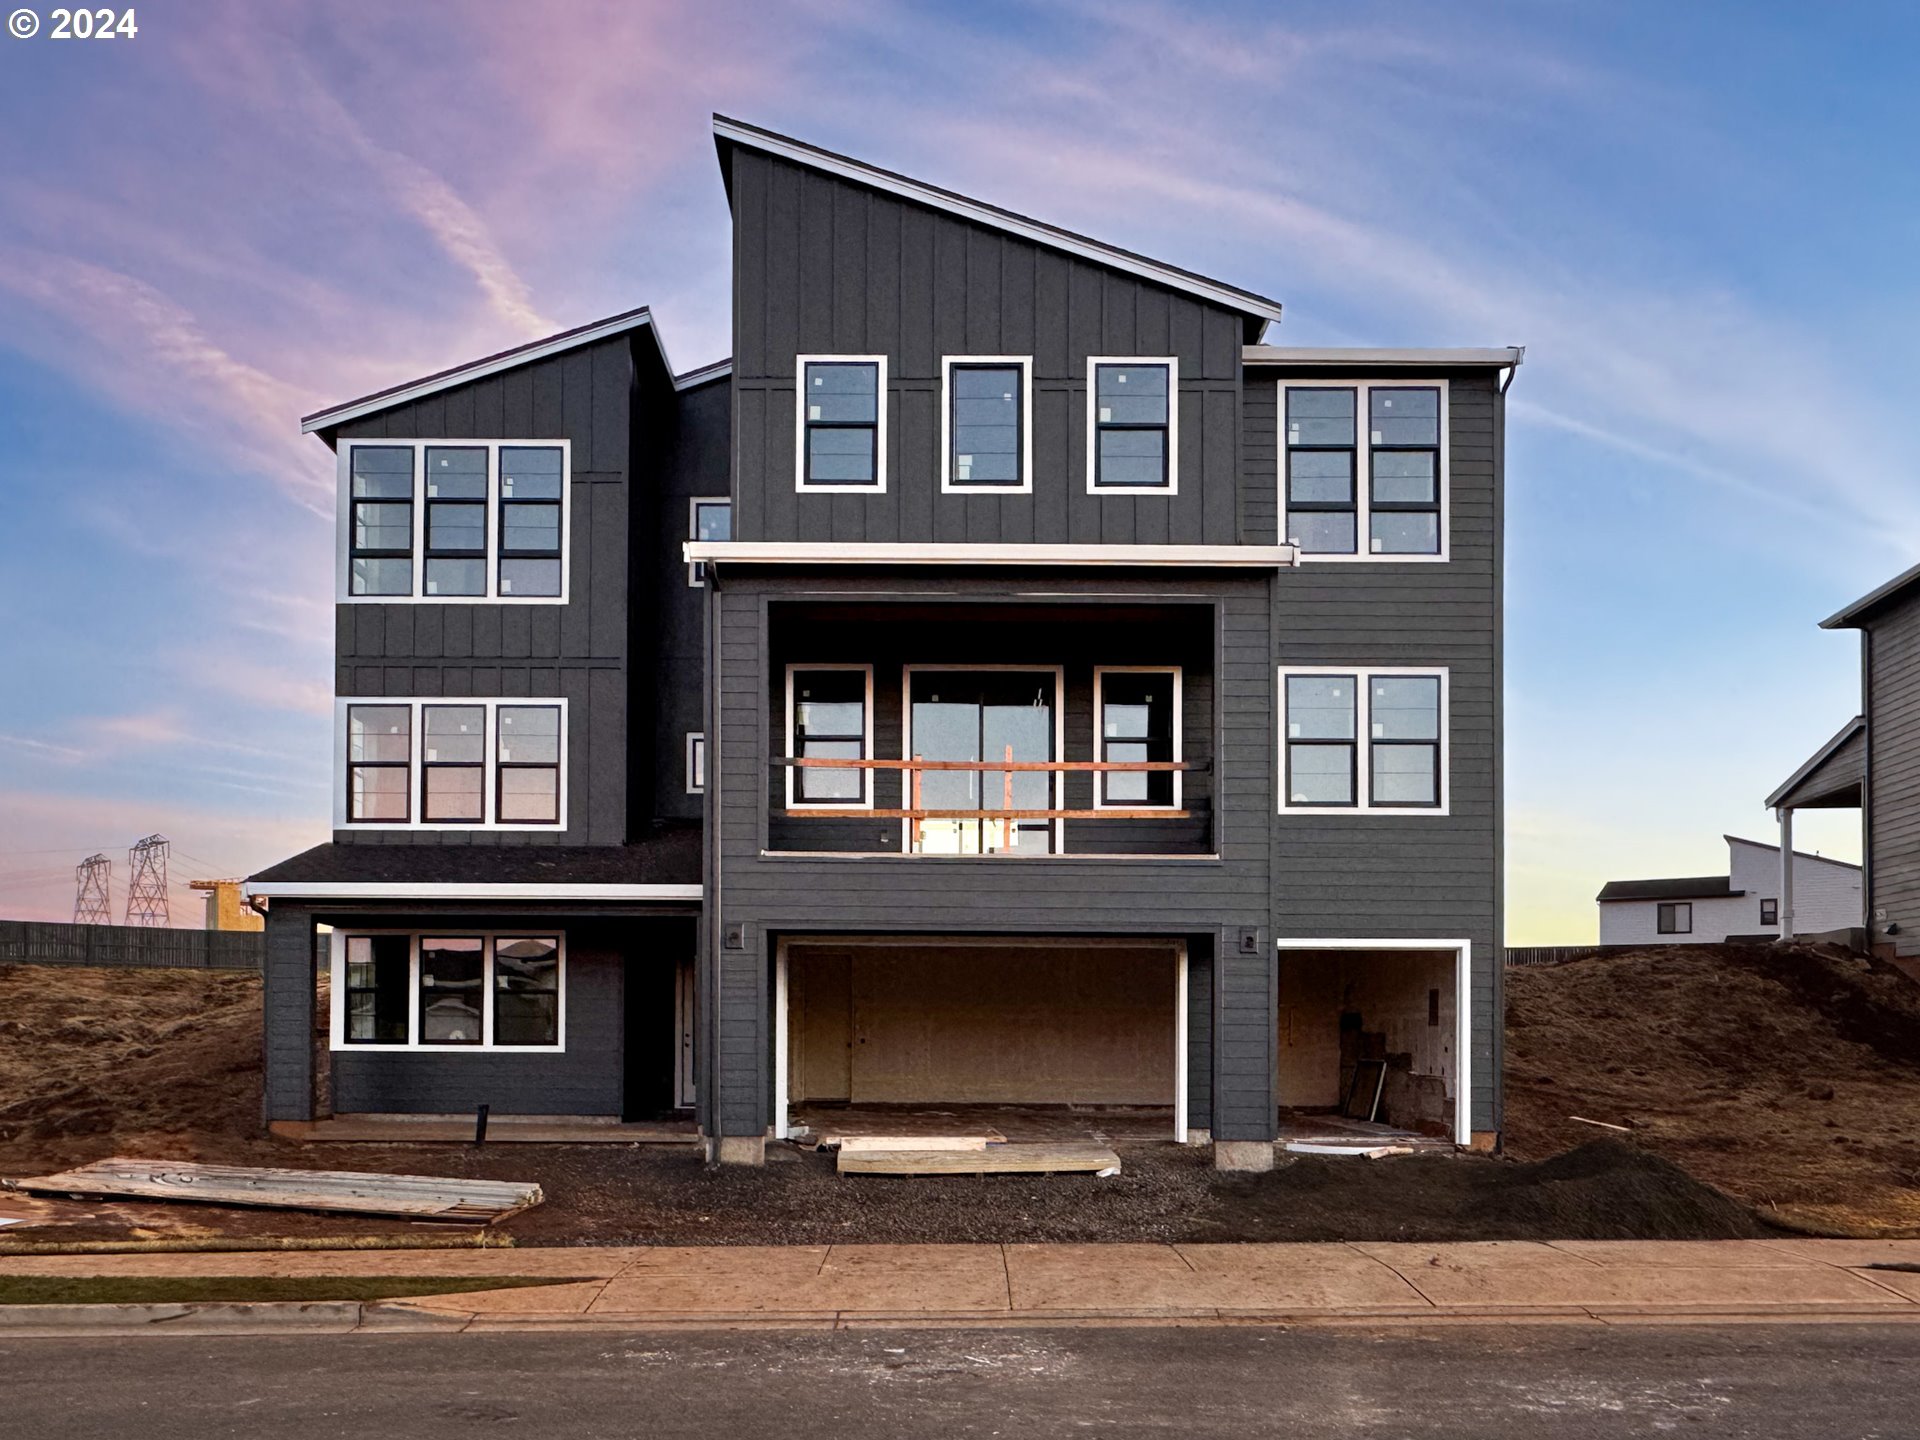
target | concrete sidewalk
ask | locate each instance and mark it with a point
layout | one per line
(838, 1286)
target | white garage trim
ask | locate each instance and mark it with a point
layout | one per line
(1462, 1004)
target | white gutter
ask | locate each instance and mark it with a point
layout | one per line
(1336, 358)
(822, 552)
(462, 890)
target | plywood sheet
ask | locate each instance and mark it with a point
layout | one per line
(1053, 1158)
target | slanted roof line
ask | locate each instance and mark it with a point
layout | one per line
(1844, 618)
(1798, 854)
(1245, 302)
(717, 370)
(490, 365)
(1692, 887)
(1820, 757)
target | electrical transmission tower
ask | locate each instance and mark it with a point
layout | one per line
(147, 890)
(93, 899)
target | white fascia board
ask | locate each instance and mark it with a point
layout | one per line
(1406, 359)
(825, 552)
(715, 371)
(1241, 302)
(456, 890)
(493, 365)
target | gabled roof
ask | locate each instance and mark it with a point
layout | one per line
(1697, 887)
(1850, 617)
(1256, 309)
(1850, 773)
(490, 365)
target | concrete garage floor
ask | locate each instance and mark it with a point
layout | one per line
(1016, 1123)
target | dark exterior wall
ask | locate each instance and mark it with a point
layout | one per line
(764, 896)
(597, 397)
(586, 1079)
(287, 1022)
(1405, 877)
(1892, 664)
(825, 266)
(670, 653)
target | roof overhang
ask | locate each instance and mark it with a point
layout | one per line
(1808, 771)
(1258, 309)
(1315, 357)
(1110, 557)
(1853, 614)
(444, 890)
(491, 365)
(719, 370)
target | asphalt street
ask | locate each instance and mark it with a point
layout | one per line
(1480, 1383)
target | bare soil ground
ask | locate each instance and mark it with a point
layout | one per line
(165, 1064)
(1787, 1076)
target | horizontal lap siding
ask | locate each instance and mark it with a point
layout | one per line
(824, 266)
(1416, 877)
(578, 650)
(584, 1080)
(1893, 743)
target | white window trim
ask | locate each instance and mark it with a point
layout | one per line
(907, 672)
(800, 363)
(343, 523)
(1363, 770)
(696, 762)
(1100, 672)
(337, 966)
(1172, 362)
(416, 744)
(695, 579)
(866, 745)
(1363, 470)
(949, 486)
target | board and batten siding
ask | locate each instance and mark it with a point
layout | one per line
(1403, 877)
(1892, 663)
(824, 266)
(578, 650)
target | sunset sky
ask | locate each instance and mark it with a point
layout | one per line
(1700, 219)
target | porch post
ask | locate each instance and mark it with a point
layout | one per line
(1785, 812)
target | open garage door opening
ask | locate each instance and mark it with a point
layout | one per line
(1372, 1040)
(1050, 1036)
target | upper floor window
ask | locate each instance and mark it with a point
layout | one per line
(451, 764)
(1367, 740)
(463, 521)
(985, 425)
(842, 427)
(707, 519)
(829, 717)
(1137, 712)
(1378, 494)
(476, 990)
(1133, 424)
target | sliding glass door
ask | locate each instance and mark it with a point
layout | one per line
(983, 715)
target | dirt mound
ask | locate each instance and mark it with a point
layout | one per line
(1786, 1075)
(86, 1054)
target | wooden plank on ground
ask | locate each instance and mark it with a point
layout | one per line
(1050, 1158)
(412, 1197)
(909, 1142)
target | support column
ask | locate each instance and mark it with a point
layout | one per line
(1785, 812)
(287, 1021)
(1245, 1034)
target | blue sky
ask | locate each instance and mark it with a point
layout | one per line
(1700, 220)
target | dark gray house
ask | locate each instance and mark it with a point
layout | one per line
(1872, 764)
(1006, 681)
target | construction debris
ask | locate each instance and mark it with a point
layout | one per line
(1365, 1152)
(910, 1142)
(1050, 1158)
(410, 1197)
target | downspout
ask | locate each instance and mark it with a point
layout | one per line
(1785, 815)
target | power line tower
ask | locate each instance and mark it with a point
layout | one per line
(93, 896)
(147, 890)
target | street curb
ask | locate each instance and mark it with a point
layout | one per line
(204, 1317)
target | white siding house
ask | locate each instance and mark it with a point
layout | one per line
(1745, 901)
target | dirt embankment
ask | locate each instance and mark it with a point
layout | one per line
(1785, 1075)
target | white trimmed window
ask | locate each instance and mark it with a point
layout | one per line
(450, 764)
(448, 990)
(840, 424)
(829, 717)
(708, 518)
(696, 763)
(1136, 718)
(1133, 424)
(453, 521)
(986, 427)
(1363, 472)
(1369, 740)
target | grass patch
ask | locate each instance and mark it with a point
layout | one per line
(180, 1289)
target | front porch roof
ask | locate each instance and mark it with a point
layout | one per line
(664, 866)
(1833, 778)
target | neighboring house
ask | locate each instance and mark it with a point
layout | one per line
(1873, 764)
(1743, 903)
(1006, 680)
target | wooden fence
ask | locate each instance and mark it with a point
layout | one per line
(1521, 955)
(40, 942)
